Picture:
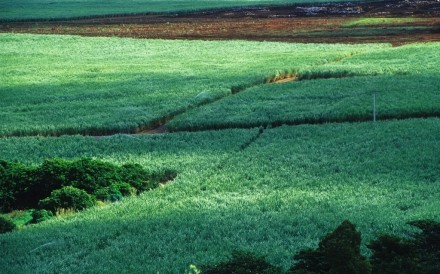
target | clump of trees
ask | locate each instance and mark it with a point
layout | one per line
(339, 253)
(75, 185)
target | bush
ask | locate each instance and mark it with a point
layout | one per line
(6, 224)
(91, 175)
(115, 192)
(40, 215)
(24, 187)
(243, 263)
(138, 177)
(51, 175)
(15, 179)
(67, 197)
(418, 255)
(338, 252)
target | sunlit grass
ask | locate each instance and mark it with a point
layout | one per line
(383, 21)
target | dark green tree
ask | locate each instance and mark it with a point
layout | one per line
(6, 225)
(338, 253)
(66, 198)
(243, 263)
(420, 254)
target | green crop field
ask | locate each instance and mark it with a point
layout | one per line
(47, 9)
(274, 197)
(319, 101)
(271, 167)
(107, 85)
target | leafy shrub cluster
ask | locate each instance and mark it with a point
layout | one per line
(421, 254)
(76, 185)
(339, 253)
(243, 263)
(40, 215)
(6, 225)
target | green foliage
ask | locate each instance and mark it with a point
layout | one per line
(40, 215)
(7, 187)
(43, 180)
(243, 263)
(338, 252)
(391, 255)
(15, 180)
(90, 175)
(24, 187)
(138, 177)
(114, 192)
(421, 254)
(67, 197)
(6, 224)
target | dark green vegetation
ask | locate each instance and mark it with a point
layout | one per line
(59, 184)
(420, 254)
(339, 252)
(6, 224)
(243, 263)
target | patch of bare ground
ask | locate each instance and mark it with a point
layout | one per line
(155, 130)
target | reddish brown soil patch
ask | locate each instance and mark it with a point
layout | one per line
(284, 79)
(157, 130)
(301, 23)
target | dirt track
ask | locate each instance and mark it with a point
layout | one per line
(301, 23)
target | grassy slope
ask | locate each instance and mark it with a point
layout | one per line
(279, 195)
(47, 9)
(104, 85)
